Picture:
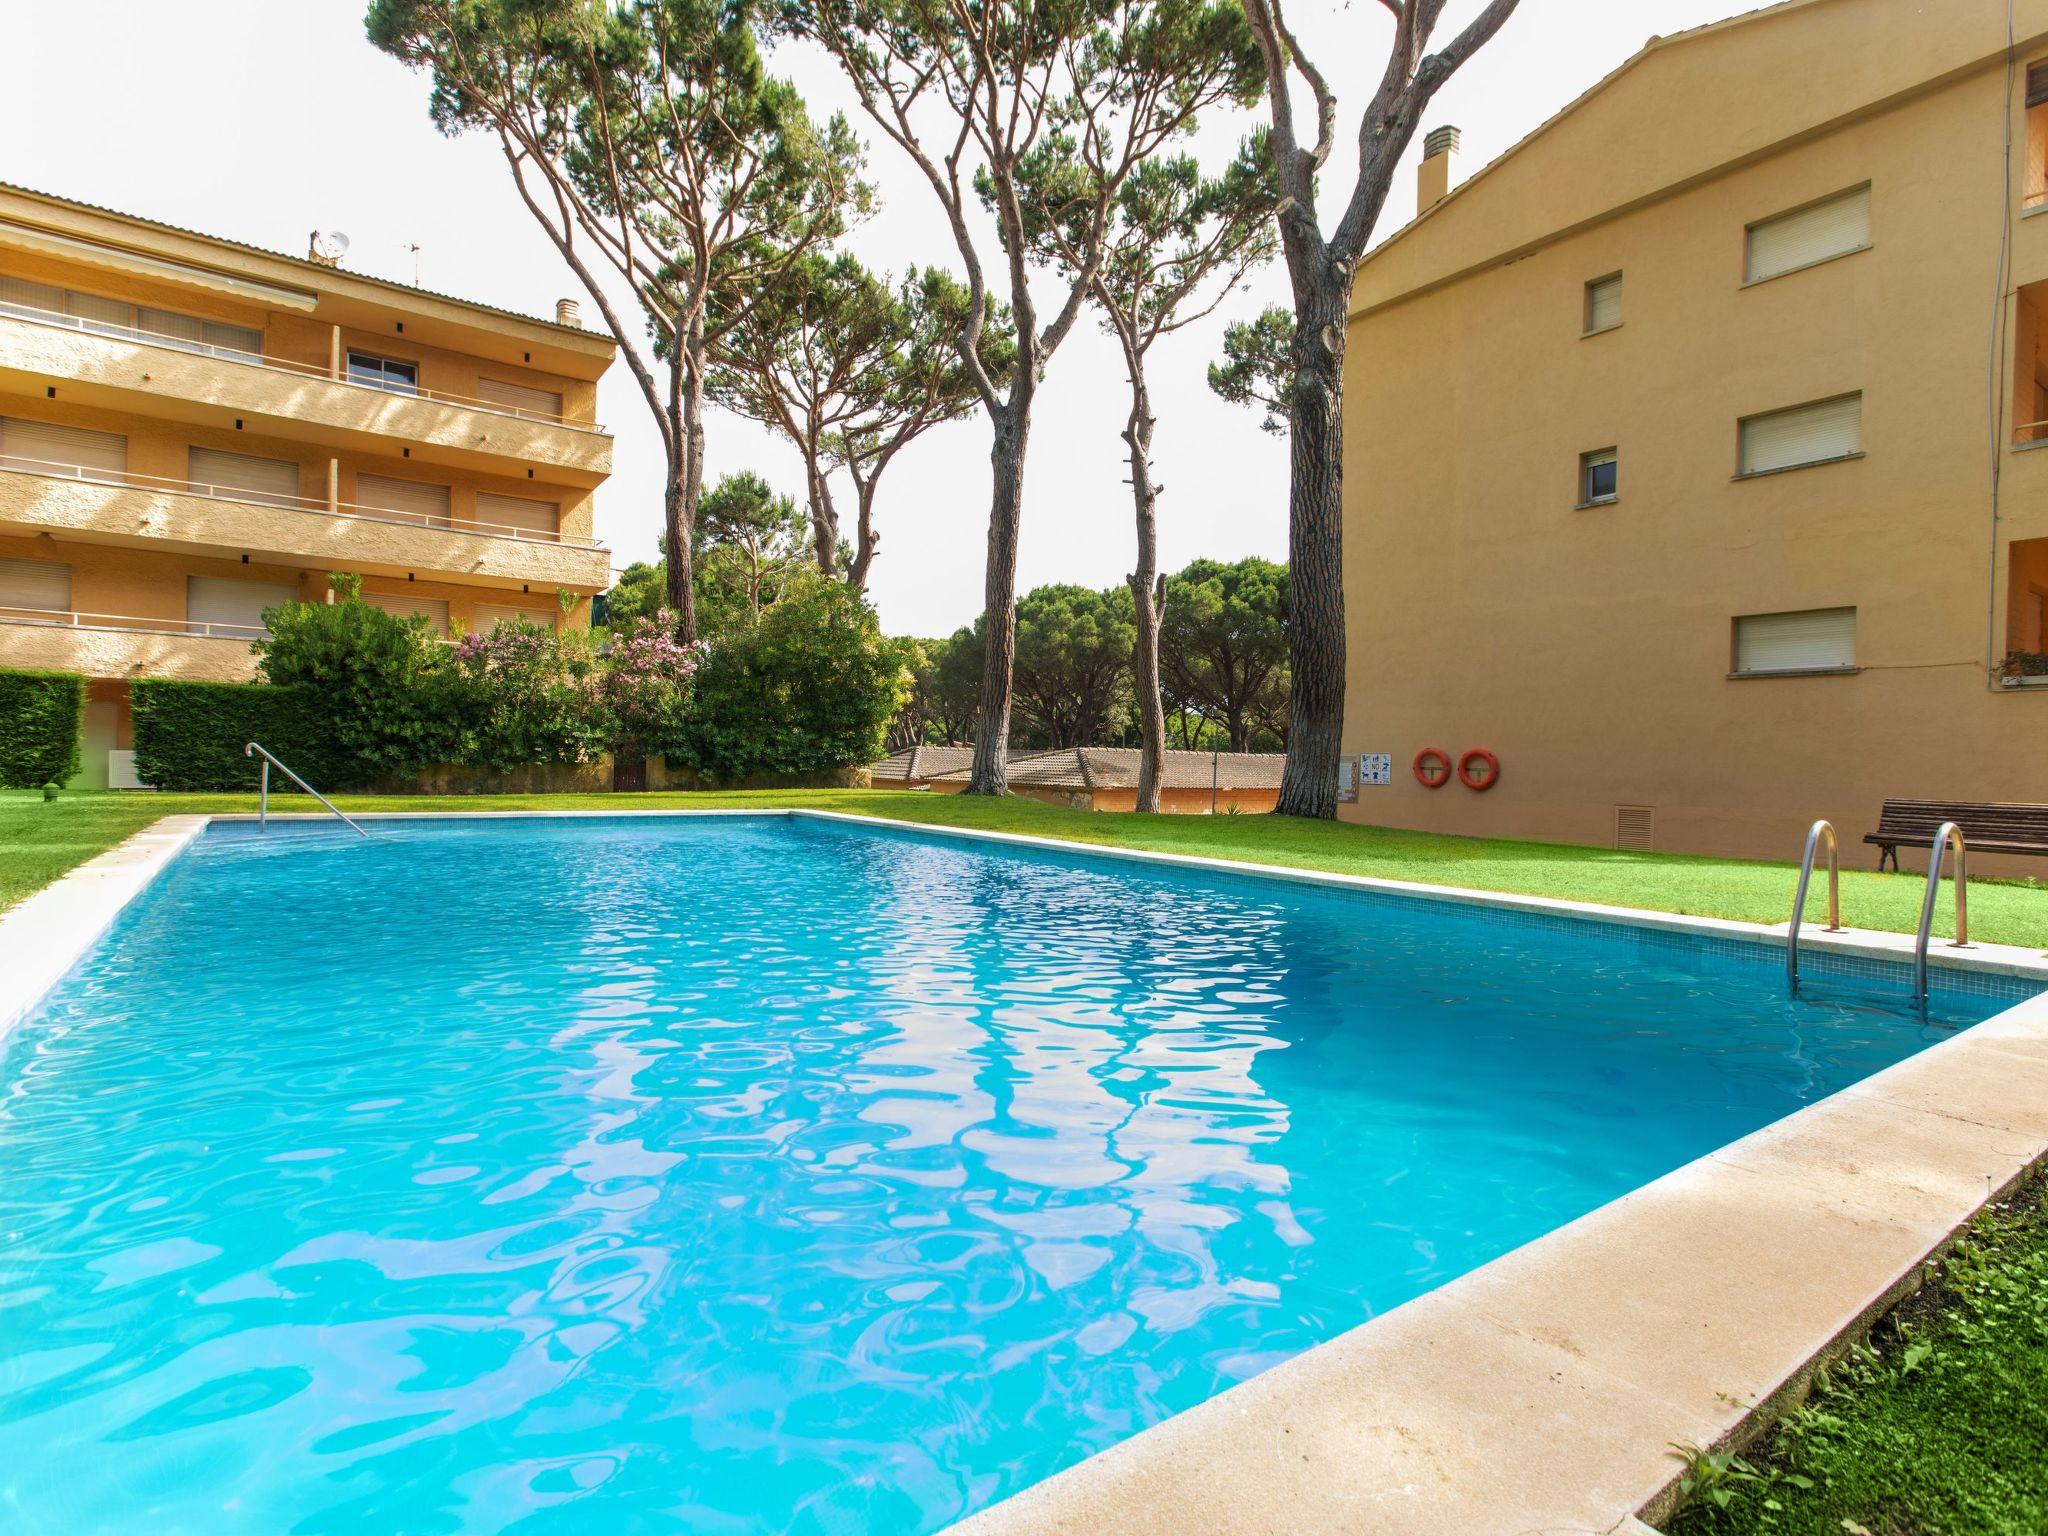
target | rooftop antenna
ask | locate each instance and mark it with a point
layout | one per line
(327, 247)
(415, 264)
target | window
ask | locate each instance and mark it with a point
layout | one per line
(413, 501)
(34, 590)
(243, 477)
(488, 616)
(1819, 640)
(1599, 478)
(1603, 304)
(543, 404)
(165, 327)
(217, 605)
(2036, 187)
(433, 609)
(387, 373)
(43, 447)
(1819, 433)
(1810, 235)
(519, 516)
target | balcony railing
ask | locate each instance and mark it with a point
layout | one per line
(90, 476)
(151, 338)
(69, 619)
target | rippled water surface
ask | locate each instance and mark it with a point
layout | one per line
(738, 1175)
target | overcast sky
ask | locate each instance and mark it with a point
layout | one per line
(261, 120)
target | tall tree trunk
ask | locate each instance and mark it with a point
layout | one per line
(1148, 593)
(824, 519)
(1315, 542)
(991, 772)
(864, 538)
(685, 488)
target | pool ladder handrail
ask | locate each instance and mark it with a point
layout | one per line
(255, 749)
(1815, 833)
(1947, 833)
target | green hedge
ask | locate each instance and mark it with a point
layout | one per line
(41, 716)
(190, 736)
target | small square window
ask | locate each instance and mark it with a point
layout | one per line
(1599, 478)
(387, 373)
(1603, 304)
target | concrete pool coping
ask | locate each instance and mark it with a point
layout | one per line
(1542, 1392)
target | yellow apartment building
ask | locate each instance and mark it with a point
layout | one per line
(1693, 454)
(193, 430)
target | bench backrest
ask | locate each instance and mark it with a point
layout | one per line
(1987, 821)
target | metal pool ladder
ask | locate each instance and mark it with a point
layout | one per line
(1824, 832)
(257, 749)
(1947, 833)
(1815, 834)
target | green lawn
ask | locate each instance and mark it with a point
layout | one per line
(1938, 1428)
(39, 841)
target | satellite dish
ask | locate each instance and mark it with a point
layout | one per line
(329, 245)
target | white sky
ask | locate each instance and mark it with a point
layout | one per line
(260, 120)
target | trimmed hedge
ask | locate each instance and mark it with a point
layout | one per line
(41, 717)
(190, 736)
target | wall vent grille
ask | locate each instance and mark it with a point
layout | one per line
(1635, 828)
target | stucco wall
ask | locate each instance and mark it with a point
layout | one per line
(1590, 649)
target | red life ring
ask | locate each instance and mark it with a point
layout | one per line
(1433, 767)
(1479, 757)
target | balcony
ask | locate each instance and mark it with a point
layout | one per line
(123, 646)
(125, 367)
(146, 511)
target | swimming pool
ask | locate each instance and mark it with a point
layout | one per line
(741, 1174)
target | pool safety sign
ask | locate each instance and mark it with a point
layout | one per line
(1376, 768)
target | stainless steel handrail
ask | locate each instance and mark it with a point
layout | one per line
(263, 802)
(1813, 840)
(1948, 832)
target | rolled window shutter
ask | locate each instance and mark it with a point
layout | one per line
(1805, 434)
(1603, 304)
(488, 616)
(1796, 642)
(1800, 239)
(32, 587)
(2037, 84)
(414, 500)
(222, 605)
(433, 609)
(20, 293)
(47, 447)
(534, 519)
(520, 399)
(244, 477)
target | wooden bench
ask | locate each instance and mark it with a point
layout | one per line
(1987, 827)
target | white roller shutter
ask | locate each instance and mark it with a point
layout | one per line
(433, 609)
(242, 477)
(414, 500)
(1603, 304)
(520, 399)
(1816, 640)
(1795, 240)
(488, 616)
(30, 588)
(45, 447)
(191, 331)
(226, 606)
(1805, 434)
(532, 519)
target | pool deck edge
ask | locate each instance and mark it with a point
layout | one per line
(45, 934)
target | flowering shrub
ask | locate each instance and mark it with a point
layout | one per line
(643, 686)
(523, 696)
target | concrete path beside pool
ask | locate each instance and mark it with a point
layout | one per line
(1542, 1393)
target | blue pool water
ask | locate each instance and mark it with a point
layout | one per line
(739, 1175)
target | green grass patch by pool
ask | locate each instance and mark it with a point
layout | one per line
(40, 841)
(1937, 1427)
